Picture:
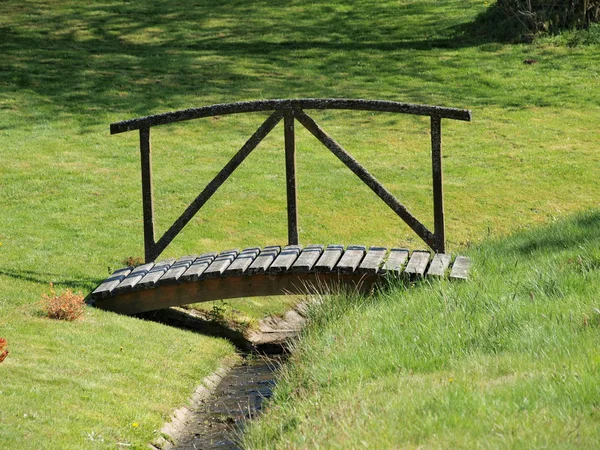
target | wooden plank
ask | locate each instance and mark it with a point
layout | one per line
(285, 259)
(395, 261)
(177, 269)
(307, 259)
(461, 268)
(242, 262)
(351, 259)
(155, 274)
(329, 258)
(373, 260)
(107, 286)
(133, 278)
(198, 267)
(438, 265)
(264, 260)
(220, 263)
(417, 264)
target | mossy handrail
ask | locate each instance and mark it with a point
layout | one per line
(290, 110)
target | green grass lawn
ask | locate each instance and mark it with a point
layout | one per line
(506, 360)
(70, 201)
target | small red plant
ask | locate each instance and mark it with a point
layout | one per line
(3, 350)
(66, 306)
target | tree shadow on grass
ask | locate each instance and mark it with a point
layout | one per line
(83, 284)
(87, 59)
(582, 230)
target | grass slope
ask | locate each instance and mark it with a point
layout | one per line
(70, 207)
(506, 360)
(69, 69)
(96, 383)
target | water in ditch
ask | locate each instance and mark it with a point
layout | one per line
(219, 421)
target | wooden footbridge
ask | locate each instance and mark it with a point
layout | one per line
(277, 270)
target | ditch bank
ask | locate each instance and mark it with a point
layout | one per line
(225, 401)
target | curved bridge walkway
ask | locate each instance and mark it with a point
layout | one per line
(270, 271)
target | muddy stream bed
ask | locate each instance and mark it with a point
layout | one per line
(218, 421)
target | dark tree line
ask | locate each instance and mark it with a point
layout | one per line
(551, 15)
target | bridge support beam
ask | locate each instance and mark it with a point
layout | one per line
(290, 175)
(439, 238)
(236, 287)
(147, 196)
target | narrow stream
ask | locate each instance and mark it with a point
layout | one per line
(219, 421)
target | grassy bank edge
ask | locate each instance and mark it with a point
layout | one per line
(505, 360)
(102, 381)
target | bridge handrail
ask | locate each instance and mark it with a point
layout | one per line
(304, 103)
(292, 110)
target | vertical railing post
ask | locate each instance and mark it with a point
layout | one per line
(290, 175)
(147, 200)
(438, 190)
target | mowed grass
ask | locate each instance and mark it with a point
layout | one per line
(98, 382)
(70, 202)
(506, 360)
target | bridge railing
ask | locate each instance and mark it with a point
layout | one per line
(290, 111)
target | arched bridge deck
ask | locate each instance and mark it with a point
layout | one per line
(264, 272)
(273, 270)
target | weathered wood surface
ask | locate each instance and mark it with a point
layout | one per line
(373, 260)
(304, 103)
(150, 280)
(396, 260)
(108, 286)
(221, 262)
(198, 267)
(264, 260)
(329, 258)
(351, 259)
(234, 287)
(131, 281)
(272, 271)
(307, 258)
(285, 259)
(243, 261)
(438, 266)
(417, 264)
(461, 268)
(178, 268)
